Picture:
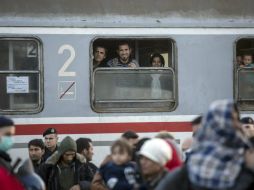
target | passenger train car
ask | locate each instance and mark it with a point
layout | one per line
(47, 77)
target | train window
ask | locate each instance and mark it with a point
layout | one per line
(133, 75)
(20, 75)
(244, 73)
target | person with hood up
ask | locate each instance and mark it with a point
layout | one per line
(221, 158)
(65, 169)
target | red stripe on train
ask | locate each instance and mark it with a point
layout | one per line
(87, 128)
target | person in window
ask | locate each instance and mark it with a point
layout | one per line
(248, 61)
(239, 60)
(99, 55)
(124, 57)
(157, 60)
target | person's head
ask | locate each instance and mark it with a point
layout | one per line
(247, 59)
(157, 60)
(124, 51)
(239, 60)
(67, 150)
(165, 135)
(186, 147)
(247, 126)
(154, 155)
(100, 54)
(51, 138)
(85, 147)
(36, 149)
(7, 131)
(196, 124)
(121, 152)
(131, 137)
(221, 124)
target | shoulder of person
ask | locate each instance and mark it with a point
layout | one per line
(113, 62)
(177, 179)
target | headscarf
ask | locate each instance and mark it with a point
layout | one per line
(217, 155)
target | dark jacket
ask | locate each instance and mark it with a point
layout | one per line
(178, 179)
(119, 177)
(5, 160)
(49, 172)
(47, 154)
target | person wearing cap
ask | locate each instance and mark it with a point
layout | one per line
(248, 128)
(85, 148)
(65, 168)
(8, 180)
(51, 139)
(154, 155)
(36, 149)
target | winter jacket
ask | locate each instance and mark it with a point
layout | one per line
(178, 180)
(7, 179)
(50, 171)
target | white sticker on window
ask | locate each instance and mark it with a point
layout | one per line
(17, 85)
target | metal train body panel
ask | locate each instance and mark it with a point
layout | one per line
(205, 39)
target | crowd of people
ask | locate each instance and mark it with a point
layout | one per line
(218, 156)
(124, 58)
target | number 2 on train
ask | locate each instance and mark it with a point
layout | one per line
(62, 72)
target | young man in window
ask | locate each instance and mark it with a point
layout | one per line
(51, 138)
(99, 55)
(124, 57)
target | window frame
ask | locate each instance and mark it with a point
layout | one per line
(134, 110)
(39, 73)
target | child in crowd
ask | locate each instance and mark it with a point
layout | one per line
(119, 174)
(248, 61)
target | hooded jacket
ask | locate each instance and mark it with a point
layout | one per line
(50, 170)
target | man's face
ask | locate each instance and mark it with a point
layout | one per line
(35, 153)
(124, 52)
(132, 142)
(68, 157)
(247, 59)
(51, 140)
(89, 153)
(195, 128)
(149, 167)
(99, 54)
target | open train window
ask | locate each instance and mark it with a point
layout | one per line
(133, 75)
(20, 75)
(244, 73)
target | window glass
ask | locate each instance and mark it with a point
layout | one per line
(20, 75)
(146, 81)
